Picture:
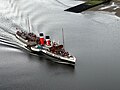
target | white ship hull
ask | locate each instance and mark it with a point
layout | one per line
(71, 59)
(21, 39)
(65, 59)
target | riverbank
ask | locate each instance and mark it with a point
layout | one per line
(113, 7)
(87, 5)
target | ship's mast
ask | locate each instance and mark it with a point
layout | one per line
(63, 38)
(28, 23)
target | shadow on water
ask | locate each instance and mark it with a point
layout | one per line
(50, 62)
(55, 67)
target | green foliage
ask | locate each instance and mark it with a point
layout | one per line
(94, 2)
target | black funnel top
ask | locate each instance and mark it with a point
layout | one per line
(41, 34)
(47, 37)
